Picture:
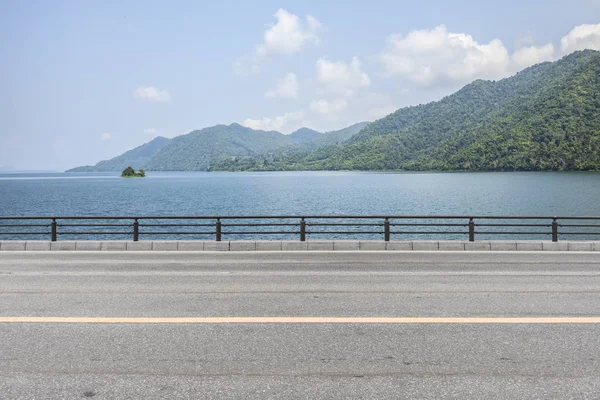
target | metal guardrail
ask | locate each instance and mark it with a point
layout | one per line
(387, 226)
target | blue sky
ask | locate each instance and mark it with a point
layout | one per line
(83, 81)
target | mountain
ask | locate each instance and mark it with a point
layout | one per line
(546, 117)
(136, 158)
(304, 135)
(197, 150)
(200, 150)
(307, 139)
(273, 159)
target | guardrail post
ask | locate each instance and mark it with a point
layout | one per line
(302, 230)
(136, 230)
(471, 230)
(54, 229)
(218, 232)
(554, 230)
(386, 228)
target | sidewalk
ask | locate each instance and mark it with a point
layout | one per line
(311, 245)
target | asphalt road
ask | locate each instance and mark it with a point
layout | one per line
(129, 332)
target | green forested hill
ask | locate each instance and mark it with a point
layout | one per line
(290, 157)
(304, 135)
(546, 117)
(136, 158)
(198, 149)
(557, 129)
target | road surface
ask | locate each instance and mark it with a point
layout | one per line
(299, 325)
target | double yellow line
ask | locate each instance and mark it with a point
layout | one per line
(299, 320)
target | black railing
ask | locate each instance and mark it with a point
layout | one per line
(386, 227)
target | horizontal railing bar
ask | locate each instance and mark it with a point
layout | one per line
(424, 224)
(344, 233)
(170, 217)
(65, 217)
(24, 233)
(428, 233)
(579, 233)
(580, 225)
(23, 225)
(176, 224)
(259, 224)
(512, 233)
(340, 224)
(92, 225)
(261, 233)
(93, 233)
(229, 217)
(177, 233)
(535, 217)
(524, 225)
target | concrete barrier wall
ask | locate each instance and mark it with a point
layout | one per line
(313, 245)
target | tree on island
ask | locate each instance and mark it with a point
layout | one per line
(129, 172)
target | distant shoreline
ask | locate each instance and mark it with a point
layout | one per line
(333, 170)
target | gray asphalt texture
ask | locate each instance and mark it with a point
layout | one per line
(258, 361)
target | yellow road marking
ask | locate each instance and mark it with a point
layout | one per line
(301, 320)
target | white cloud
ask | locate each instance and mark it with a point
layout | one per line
(329, 108)
(339, 81)
(340, 77)
(151, 93)
(531, 55)
(289, 34)
(106, 136)
(285, 123)
(435, 57)
(581, 37)
(427, 57)
(287, 87)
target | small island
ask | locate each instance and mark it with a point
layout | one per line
(129, 172)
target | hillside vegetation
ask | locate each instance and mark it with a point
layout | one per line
(546, 117)
(199, 150)
(129, 172)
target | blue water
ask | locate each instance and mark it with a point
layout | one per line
(302, 193)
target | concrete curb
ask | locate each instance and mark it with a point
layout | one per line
(314, 245)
